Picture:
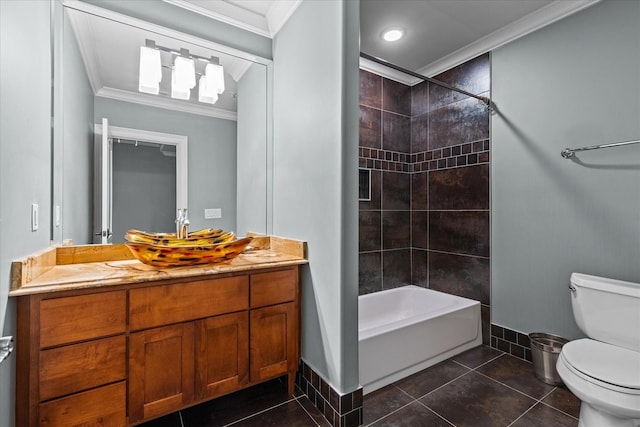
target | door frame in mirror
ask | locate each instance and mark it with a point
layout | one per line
(179, 141)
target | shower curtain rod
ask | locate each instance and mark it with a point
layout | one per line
(484, 99)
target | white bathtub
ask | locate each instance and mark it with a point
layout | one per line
(407, 329)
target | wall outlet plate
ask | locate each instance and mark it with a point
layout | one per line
(212, 213)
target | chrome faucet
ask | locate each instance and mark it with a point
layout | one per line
(182, 224)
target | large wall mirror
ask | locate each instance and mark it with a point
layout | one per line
(97, 56)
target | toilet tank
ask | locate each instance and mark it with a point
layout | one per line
(607, 310)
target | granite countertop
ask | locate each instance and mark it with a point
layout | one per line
(63, 268)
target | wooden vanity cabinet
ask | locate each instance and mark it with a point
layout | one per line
(71, 358)
(126, 356)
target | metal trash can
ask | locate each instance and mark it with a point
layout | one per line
(545, 349)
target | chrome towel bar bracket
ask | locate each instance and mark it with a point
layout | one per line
(568, 153)
(6, 347)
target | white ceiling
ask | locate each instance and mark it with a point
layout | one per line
(440, 34)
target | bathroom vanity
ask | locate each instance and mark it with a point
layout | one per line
(103, 339)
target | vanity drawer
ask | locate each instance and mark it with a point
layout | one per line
(274, 287)
(72, 319)
(73, 368)
(167, 304)
(104, 406)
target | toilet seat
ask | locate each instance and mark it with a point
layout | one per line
(603, 364)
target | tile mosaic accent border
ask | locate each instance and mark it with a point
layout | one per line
(513, 342)
(340, 411)
(469, 153)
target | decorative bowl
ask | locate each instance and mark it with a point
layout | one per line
(207, 236)
(185, 255)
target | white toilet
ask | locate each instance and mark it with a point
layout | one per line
(604, 370)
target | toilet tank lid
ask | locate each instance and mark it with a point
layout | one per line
(606, 284)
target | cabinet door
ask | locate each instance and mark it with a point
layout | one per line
(274, 349)
(222, 354)
(160, 370)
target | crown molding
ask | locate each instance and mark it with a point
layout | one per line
(389, 73)
(269, 25)
(86, 45)
(279, 13)
(534, 21)
(229, 14)
(167, 104)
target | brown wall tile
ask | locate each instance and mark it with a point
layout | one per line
(420, 99)
(370, 229)
(396, 230)
(464, 276)
(460, 188)
(419, 191)
(473, 76)
(396, 190)
(453, 124)
(419, 229)
(419, 133)
(370, 89)
(396, 132)
(396, 97)
(369, 272)
(370, 127)
(396, 268)
(463, 232)
(419, 264)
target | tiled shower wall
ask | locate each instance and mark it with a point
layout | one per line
(427, 149)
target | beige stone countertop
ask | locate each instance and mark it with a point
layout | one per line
(63, 268)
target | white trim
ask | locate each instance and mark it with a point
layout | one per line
(279, 13)
(268, 26)
(390, 73)
(534, 21)
(168, 32)
(87, 50)
(229, 14)
(179, 141)
(159, 102)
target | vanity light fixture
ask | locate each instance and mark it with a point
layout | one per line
(392, 34)
(211, 82)
(150, 70)
(183, 74)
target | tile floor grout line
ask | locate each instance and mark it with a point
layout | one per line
(508, 386)
(259, 412)
(445, 384)
(181, 420)
(297, 399)
(446, 420)
(523, 414)
(479, 366)
(559, 410)
(392, 412)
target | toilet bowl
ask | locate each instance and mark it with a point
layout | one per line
(603, 370)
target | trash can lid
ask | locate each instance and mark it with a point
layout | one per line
(547, 342)
(604, 362)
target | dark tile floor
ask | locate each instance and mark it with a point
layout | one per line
(481, 387)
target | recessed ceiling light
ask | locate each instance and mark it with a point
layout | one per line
(392, 34)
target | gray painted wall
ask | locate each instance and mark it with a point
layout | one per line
(77, 145)
(252, 151)
(144, 190)
(212, 154)
(25, 155)
(315, 176)
(575, 83)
